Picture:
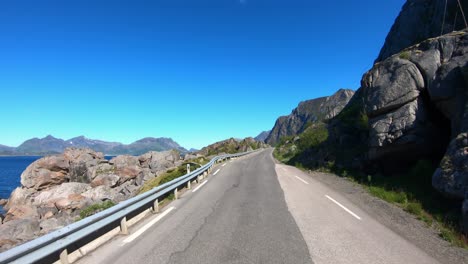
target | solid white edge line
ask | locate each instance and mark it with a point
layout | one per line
(199, 186)
(147, 226)
(216, 172)
(301, 179)
(344, 208)
(223, 165)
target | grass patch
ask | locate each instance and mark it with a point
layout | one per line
(95, 208)
(172, 174)
(413, 192)
(405, 55)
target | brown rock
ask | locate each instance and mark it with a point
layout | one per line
(3, 202)
(21, 212)
(50, 196)
(7, 243)
(48, 215)
(110, 180)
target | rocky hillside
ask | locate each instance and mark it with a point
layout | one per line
(412, 106)
(56, 189)
(420, 20)
(232, 146)
(52, 145)
(307, 112)
(262, 136)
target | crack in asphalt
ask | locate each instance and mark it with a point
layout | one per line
(205, 220)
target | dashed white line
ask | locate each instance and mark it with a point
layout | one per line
(301, 180)
(216, 172)
(199, 186)
(147, 226)
(344, 208)
(223, 165)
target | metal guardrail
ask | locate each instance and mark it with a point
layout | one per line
(52, 245)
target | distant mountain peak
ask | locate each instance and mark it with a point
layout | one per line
(309, 111)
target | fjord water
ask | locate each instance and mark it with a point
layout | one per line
(10, 172)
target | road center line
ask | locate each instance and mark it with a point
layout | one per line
(216, 172)
(223, 165)
(199, 186)
(344, 208)
(301, 180)
(147, 226)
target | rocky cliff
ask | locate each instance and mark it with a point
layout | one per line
(420, 20)
(307, 112)
(413, 106)
(262, 136)
(55, 189)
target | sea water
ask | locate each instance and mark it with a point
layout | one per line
(10, 173)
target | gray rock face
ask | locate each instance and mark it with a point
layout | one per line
(411, 97)
(309, 112)
(417, 102)
(262, 136)
(56, 188)
(420, 20)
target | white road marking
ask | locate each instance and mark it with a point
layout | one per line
(199, 186)
(344, 208)
(147, 226)
(223, 165)
(301, 180)
(216, 172)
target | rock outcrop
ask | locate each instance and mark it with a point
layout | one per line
(420, 20)
(307, 112)
(262, 136)
(56, 188)
(415, 100)
(416, 103)
(231, 146)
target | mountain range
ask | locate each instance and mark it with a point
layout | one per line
(52, 145)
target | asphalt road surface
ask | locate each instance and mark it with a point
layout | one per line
(251, 210)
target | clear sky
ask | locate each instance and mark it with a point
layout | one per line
(198, 71)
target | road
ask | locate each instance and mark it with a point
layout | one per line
(255, 211)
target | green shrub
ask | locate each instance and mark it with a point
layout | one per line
(312, 137)
(414, 208)
(95, 208)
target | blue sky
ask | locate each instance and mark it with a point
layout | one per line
(198, 71)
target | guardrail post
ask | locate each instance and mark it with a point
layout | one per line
(188, 168)
(189, 185)
(64, 257)
(175, 194)
(123, 226)
(156, 206)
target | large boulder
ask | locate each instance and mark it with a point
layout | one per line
(18, 231)
(126, 167)
(451, 178)
(415, 99)
(103, 193)
(63, 191)
(21, 212)
(158, 162)
(73, 165)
